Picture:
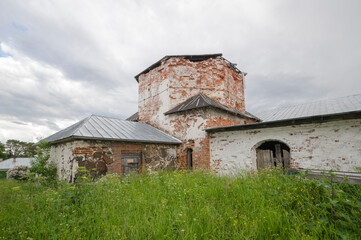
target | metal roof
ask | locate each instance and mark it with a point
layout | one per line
(342, 108)
(107, 128)
(133, 118)
(201, 101)
(194, 58)
(323, 107)
(9, 163)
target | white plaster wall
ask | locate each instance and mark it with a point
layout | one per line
(62, 155)
(333, 145)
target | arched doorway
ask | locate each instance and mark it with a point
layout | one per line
(272, 154)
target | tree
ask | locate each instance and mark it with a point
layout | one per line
(2, 152)
(30, 149)
(15, 148)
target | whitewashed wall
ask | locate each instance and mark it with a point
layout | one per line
(62, 155)
(332, 145)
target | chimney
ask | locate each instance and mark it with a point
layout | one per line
(14, 160)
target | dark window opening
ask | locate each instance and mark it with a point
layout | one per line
(189, 158)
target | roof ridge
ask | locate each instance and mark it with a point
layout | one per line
(98, 115)
(82, 122)
(205, 98)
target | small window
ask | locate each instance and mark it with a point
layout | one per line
(189, 158)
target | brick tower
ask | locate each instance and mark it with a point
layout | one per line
(182, 95)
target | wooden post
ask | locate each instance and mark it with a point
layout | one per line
(286, 158)
(278, 156)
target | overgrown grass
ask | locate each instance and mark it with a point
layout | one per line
(182, 205)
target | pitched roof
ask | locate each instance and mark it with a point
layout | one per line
(323, 107)
(133, 118)
(9, 163)
(194, 58)
(201, 101)
(107, 128)
(320, 111)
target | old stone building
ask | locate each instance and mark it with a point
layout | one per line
(179, 97)
(317, 136)
(192, 114)
(183, 95)
(110, 145)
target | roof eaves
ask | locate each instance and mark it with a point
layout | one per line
(80, 124)
(233, 66)
(237, 113)
(291, 121)
(176, 141)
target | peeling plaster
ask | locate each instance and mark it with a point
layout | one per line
(332, 145)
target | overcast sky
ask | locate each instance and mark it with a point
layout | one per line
(61, 61)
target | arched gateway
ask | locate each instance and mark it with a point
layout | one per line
(272, 154)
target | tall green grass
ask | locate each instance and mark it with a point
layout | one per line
(182, 205)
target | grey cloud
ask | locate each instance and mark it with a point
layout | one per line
(294, 51)
(20, 123)
(267, 92)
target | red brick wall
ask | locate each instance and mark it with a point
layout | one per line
(175, 81)
(178, 79)
(189, 127)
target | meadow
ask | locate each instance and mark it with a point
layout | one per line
(182, 205)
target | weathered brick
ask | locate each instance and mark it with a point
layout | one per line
(175, 81)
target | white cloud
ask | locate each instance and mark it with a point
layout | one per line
(41, 98)
(73, 58)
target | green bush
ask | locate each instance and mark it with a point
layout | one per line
(2, 174)
(20, 173)
(41, 165)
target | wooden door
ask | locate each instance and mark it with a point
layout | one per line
(131, 162)
(264, 158)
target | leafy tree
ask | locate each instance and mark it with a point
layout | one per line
(41, 164)
(29, 149)
(16, 148)
(2, 151)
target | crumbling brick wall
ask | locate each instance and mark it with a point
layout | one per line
(101, 157)
(190, 126)
(178, 79)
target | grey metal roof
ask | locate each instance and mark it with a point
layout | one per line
(9, 163)
(323, 107)
(107, 128)
(200, 101)
(192, 58)
(133, 118)
(321, 111)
